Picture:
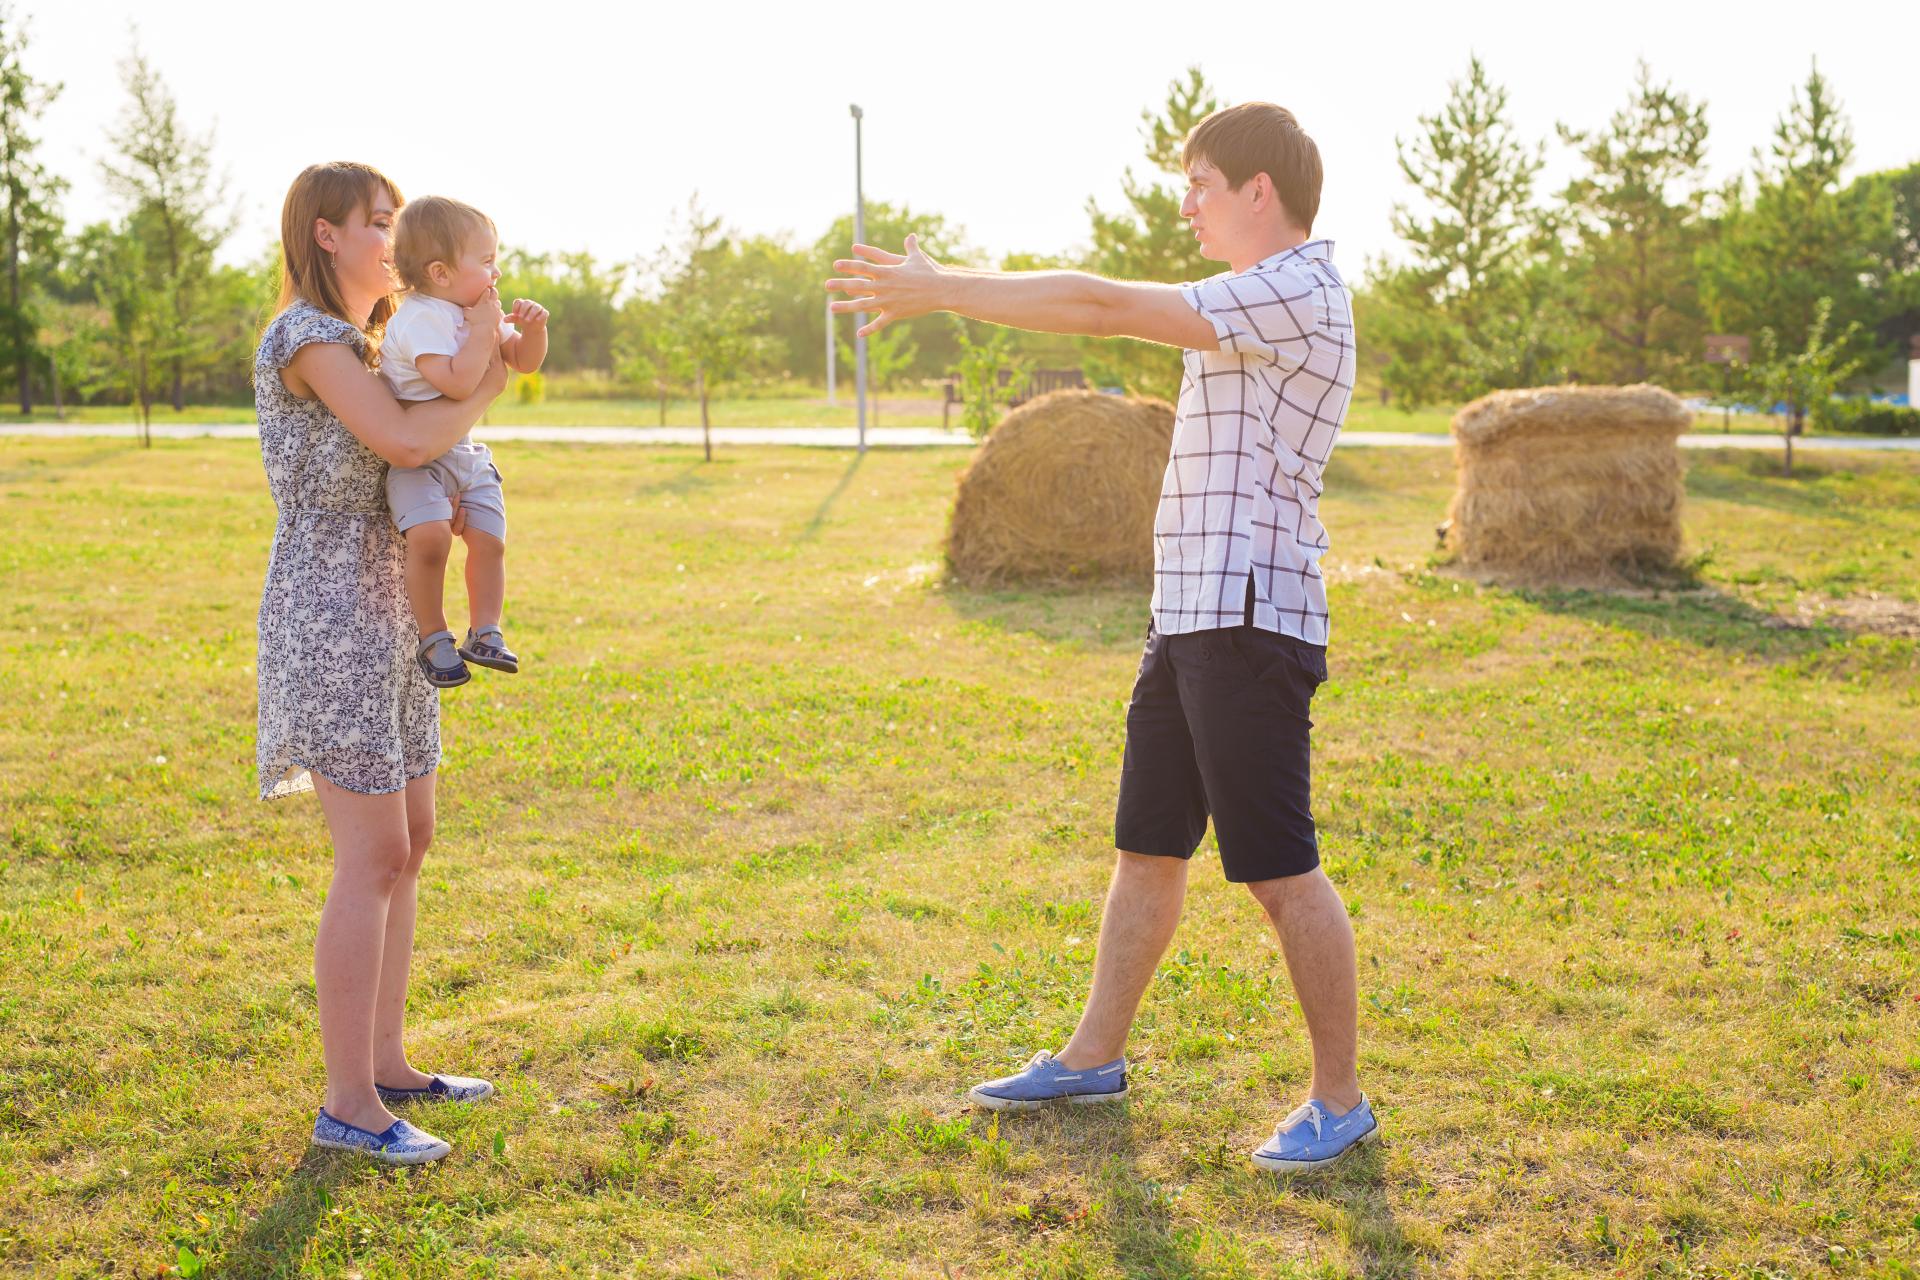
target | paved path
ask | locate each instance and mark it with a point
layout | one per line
(882, 437)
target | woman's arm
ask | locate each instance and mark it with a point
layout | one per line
(406, 435)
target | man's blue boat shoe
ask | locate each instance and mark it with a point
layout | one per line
(1313, 1138)
(1046, 1080)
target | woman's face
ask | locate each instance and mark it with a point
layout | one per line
(362, 250)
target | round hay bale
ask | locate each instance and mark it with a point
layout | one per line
(1568, 484)
(1063, 489)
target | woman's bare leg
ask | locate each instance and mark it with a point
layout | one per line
(396, 957)
(370, 855)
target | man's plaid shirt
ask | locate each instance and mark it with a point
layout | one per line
(1251, 435)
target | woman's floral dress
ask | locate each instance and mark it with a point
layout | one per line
(340, 694)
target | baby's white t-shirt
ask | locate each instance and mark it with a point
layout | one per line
(423, 326)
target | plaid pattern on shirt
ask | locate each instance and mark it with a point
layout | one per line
(1251, 435)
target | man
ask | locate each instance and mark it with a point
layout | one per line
(1218, 725)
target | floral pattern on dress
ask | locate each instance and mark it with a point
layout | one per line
(340, 692)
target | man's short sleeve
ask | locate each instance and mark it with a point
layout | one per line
(1263, 314)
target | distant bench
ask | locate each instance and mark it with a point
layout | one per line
(1037, 383)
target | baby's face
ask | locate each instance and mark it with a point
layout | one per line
(476, 272)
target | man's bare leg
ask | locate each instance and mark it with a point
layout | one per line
(1317, 939)
(1143, 906)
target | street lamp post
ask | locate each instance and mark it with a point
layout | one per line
(860, 317)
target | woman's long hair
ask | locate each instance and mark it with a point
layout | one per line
(335, 192)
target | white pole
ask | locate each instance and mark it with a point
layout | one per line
(830, 353)
(860, 318)
(1913, 374)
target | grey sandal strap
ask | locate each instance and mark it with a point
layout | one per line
(427, 642)
(488, 630)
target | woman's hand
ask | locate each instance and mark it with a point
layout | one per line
(891, 286)
(494, 380)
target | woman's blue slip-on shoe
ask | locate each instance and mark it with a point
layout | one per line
(1313, 1138)
(399, 1143)
(439, 1089)
(1045, 1080)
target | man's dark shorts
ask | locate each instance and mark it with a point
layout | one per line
(1218, 726)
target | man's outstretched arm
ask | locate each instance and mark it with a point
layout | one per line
(895, 286)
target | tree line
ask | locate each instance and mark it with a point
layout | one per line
(1617, 277)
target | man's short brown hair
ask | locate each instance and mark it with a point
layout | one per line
(1259, 137)
(433, 229)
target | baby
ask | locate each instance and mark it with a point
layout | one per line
(438, 344)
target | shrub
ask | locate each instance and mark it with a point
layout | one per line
(1868, 418)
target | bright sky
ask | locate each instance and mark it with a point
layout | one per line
(589, 125)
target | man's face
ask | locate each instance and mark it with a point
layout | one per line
(1222, 219)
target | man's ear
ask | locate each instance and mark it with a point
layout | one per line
(1264, 196)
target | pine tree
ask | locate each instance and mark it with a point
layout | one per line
(1149, 240)
(1803, 237)
(1634, 217)
(32, 223)
(164, 173)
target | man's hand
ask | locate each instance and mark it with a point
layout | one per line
(527, 315)
(890, 286)
(485, 315)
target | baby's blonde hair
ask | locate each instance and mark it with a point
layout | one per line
(433, 229)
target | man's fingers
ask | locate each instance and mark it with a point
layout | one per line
(845, 306)
(879, 322)
(861, 287)
(882, 256)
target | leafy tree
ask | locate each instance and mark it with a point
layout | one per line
(1804, 380)
(711, 307)
(1894, 277)
(890, 353)
(990, 372)
(648, 351)
(114, 262)
(580, 294)
(1149, 240)
(164, 173)
(31, 224)
(887, 226)
(1635, 216)
(1802, 238)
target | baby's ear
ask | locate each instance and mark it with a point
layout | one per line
(439, 274)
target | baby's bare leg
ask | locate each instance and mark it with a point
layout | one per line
(428, 546)
(486, 578)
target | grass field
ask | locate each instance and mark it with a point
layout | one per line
(780, 842)
(780, 411)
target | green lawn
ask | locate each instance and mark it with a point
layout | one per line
(780, 841)
(778, 411)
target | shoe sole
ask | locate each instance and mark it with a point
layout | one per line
(492, 664)
(1274, 1164)
(421, 1095)
(992, 1103)
(381, 1157)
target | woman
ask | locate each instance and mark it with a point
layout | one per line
(344, 709)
